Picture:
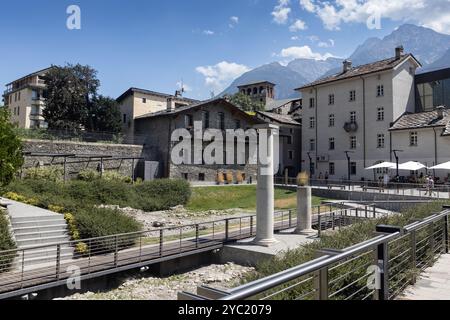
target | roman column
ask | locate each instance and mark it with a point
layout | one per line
(265, 193)
(304, 207)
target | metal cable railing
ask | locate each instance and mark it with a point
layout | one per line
(379, 268)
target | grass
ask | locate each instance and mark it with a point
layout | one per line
(241, 197)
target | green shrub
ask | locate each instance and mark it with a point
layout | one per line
(116, 177)
(88, 175)
(6, 243)
(163, 194)
(53, 173)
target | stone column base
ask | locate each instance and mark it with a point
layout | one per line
(265, 242)
(306, 232)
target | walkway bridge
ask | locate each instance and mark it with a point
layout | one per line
(380, 268)
(102, 256)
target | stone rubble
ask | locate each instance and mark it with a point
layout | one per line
(151, 288)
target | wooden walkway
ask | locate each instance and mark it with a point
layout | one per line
(433, 284)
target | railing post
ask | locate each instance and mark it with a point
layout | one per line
(321, 284)
(251, 225)
(383, 265)
(23, 268)
(161, 242)
(446, 234)
(227, 224)
(290, 218)
(116, 251)
(197, 234)
(58, 261)
(374, 212)
(413, 254)
(319, 225)
(140, 248)
(333, 223)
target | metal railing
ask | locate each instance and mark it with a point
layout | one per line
(26, 267)
(406, 190)
(379, 268)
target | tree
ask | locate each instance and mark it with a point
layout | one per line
(246, 103)
(11, 158)
(106, 115)
(70, 91)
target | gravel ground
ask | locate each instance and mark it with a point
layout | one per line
(144, 288)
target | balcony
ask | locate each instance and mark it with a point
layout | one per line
(351, 127)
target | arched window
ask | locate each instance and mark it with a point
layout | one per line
(255, 90)
(249, 91)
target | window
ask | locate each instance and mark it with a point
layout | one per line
(353, 142)
(312, 102)
(380, 90)
(352, 95)
(185, 176)
(205, 119)
(201, 177)
(353, 117)
(312, 145)
(289, 140)
(18, 111)
(413, 141)
(291, 155)
(331, 144)
(19, 96)
(380, 114)
(380, 141)
(124, 118)
(237, 124)
(144, 100)
(353, 168)
(331, 169)
(35, 110)
(221, 120)
(331, 99)
(312, 123)
(34, 95)
(188, 121)
(331, 120)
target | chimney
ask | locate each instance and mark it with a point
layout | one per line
(398, 52)
(170, 104)
(347, 65)
(440, 112)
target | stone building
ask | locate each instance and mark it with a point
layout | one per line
(213, 114)
(262, 91)
(353, 111)
(25, 98)
(136, 102)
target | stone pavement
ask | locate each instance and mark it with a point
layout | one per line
(433, 284)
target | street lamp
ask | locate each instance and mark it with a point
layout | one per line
(347, 153)
(397, 162)
(310, 161)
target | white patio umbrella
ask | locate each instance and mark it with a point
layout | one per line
(383, 165)
(442, 166)
(411, 166)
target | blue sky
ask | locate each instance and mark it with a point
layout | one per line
(154, 44)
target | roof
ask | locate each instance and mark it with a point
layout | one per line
(32, 74)
(274, 104)
(378, 66)
(280, 118)
(153, 93)
(205, 103)
(420, 120)
(256, 82)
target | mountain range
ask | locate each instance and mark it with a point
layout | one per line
(431, 48)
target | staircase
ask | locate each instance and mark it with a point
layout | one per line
(42, 230)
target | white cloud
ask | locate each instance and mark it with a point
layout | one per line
(326, 44)
(281, 12)
(304, 52)
(295, 38)
(313, 38)
(234, 21)
(208, 32)
(297, 26)
(434, 14)
(218, 76)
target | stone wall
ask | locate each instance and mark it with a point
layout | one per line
(84, 148)
(210, 172)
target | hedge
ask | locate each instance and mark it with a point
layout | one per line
(339, 240)
(6, 243)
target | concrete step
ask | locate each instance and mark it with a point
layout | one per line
(41, 241)
(55, 216)
(40, 234)
(39, 223)
(23, 230)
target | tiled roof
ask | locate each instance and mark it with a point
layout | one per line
(274, 104)
(280, 118)
(153, 93)
(427, 119)
(256, 82)
(357, 71)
